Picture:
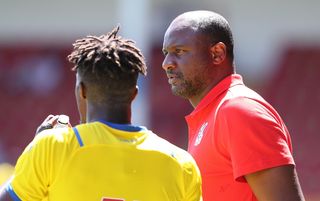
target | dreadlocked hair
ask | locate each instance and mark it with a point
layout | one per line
(108, 63)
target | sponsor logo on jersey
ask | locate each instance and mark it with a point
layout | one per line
(200, 134)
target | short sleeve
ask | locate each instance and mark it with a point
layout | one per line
(31, 176)
(193, 181)
(255, 136)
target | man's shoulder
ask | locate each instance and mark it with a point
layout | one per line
(241, 96)
(162, 145)
(242, 91)
(55, 137)
(249, 105)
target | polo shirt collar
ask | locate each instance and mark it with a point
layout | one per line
(222, 86)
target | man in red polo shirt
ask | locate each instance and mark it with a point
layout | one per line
(239, 141)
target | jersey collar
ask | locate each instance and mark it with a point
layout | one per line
(124, 127)
(222, 86)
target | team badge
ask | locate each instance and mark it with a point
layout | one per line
(200, 134)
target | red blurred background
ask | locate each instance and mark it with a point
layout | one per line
(36, 81)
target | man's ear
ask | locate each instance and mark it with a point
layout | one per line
(218, 53)
(82, 91)
(135, 92)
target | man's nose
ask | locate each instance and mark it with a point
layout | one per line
(167, 63)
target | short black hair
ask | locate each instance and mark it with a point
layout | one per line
(217, 28)
(109, 64)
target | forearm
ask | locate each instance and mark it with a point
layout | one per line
(276, 184)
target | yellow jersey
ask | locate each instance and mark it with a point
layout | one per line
(104, 161)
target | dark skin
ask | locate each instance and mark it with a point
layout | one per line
(193, 67)
(90, 111)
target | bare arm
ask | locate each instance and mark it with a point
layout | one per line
(276, 184)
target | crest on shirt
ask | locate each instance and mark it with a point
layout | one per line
(200, 134)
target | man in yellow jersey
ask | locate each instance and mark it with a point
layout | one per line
(105, 158)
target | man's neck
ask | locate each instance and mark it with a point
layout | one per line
(114, 113)
(214, 82)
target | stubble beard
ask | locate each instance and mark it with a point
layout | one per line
(187, 88)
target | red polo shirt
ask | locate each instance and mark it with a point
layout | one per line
(234, 132)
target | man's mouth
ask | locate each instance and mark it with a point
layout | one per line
(172, 78)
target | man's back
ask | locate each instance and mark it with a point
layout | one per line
(104, 161)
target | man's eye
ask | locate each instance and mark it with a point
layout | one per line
(179, 51)
(164, 53)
